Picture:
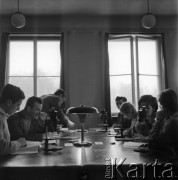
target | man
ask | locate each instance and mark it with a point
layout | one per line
(10, 100)
(27, 123)
(57, 101)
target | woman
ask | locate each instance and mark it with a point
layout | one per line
(122, 122)
(146, 119)
(128, 111)
(164, 133)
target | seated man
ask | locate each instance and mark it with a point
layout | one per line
(57, 101)
(10, 100)
(27, 123)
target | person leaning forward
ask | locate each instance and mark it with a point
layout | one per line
(28, 122)
(57, 101)
(10, 100)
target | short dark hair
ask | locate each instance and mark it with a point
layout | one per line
(119, 98)
(31, 101)
(152, 101)
(11, 92)
(59, 92)
(168, 99)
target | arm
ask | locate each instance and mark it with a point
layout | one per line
(64, 119)
(7, 146)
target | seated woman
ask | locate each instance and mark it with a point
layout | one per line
(148, 107)
(121, 121)
(128, 111)
(164, 133)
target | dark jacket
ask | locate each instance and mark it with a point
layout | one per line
(21, 126)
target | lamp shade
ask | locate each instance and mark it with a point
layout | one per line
(18, 20)
(82, 109)
(148, 21)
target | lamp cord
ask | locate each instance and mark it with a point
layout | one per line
(148, 6)
(18, 6)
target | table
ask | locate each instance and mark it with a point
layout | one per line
(99, 161)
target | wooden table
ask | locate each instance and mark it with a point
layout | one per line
(98, 161)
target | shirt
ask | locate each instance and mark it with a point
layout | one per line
(6, 146)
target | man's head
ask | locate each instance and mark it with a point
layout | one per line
(119, 100)
(11, 98)
(33, 107)
(61, 94)
(168, 100)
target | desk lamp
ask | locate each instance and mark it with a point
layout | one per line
(82, 111)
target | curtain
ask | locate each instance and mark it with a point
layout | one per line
(3, 58)
(62, 83)
(164, 65)
(107, 81)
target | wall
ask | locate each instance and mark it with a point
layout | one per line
(84, 51)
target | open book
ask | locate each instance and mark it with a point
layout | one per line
(31, 148)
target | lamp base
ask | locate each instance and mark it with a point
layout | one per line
(83, 143)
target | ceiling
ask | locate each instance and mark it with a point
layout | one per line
(89, 7)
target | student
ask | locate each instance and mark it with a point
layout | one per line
(57, 100)
(122, 122)
(28, 123)
(10, 100)
(142, 120)
(164, 133)
(128, 111)
(148, 106)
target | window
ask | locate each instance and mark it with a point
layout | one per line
(34, 64)
(135, 67)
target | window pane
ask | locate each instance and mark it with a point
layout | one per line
(149, 85)
(48, 58)
(148, 56)
(21, 58)
(47, 85)
(119, 56)
(120, 86)
(26, 84)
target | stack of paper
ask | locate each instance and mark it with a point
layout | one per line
(31, 148)
(131, 144)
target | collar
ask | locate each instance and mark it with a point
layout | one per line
(25, 114)
(2, 112)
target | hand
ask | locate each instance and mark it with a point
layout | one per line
(43, 116)
(22, 142)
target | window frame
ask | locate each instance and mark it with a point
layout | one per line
(34, 38)
(134, 62)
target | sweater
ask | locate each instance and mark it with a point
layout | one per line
(6, 146)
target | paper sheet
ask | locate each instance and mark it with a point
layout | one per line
(131, 144)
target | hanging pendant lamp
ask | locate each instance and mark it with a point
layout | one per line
(148, 20)
(18, 19)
